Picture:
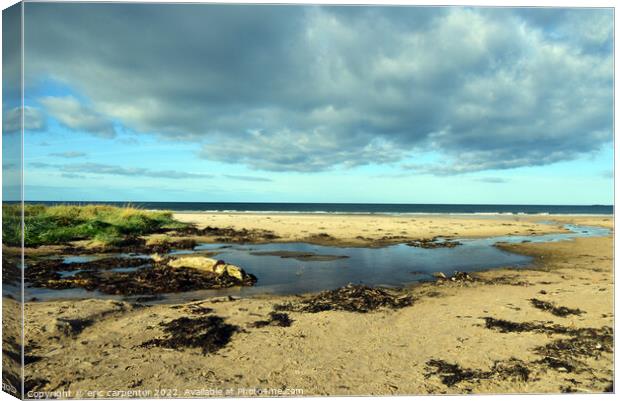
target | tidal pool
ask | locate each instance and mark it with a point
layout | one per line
(394, 265)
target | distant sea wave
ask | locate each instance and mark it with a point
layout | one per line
(357, 208)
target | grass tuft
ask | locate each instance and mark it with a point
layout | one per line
(64, 223)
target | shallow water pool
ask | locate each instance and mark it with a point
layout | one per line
(394, 265)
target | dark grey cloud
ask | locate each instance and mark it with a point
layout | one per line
(492, 180)
(76, 116)
(69, 154)
(109, 169)
(286, 88)
(11, 58)
(74, 176)
(247, 178)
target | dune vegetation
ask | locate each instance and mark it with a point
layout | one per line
(46, 225)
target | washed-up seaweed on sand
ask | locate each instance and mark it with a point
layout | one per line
(210, 333)
(351, 298)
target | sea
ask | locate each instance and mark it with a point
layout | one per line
(355, 208)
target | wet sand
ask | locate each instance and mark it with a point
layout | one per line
(443, 343)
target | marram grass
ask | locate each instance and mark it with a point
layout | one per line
(47, 225)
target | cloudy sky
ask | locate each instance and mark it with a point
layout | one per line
(317, 104)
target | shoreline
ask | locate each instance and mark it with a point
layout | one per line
(365, 230)
(395, 214)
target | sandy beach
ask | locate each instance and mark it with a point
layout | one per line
(543, 328)
(368, 229)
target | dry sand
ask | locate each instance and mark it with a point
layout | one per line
(340, 353)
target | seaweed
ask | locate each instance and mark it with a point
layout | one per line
(275, 319)
(457, 277)
(561, 311)
(72, 327)
(433, 243)
(350, 298)
(34, 384)
(564, 354)
(147, 280)
(452, 373)
(11, 271)
(230, 235)
(208, 333)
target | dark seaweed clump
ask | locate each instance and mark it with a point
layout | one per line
(147, 280)
(11, 273)
(452, 373)
(433, 243)
(72, 327)
(229, 234)
(275, 319)
(561, 311)
(208, 333)
(351, 298)
(564, 354)
(40, 271)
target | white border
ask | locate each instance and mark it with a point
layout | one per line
(484, 3)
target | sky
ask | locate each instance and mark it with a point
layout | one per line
(239, 103)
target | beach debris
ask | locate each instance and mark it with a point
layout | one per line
(275, 319)
(452, 373)
(506, 326)
(196, 262)
(351, 298)
(215, 266)
(564, 354)
(72, 327)
(567, 354)
(11, 271)
(196, 309)
(159, 244)
(209, 333)
(505, 280)
(50, 269)
(157, 276)
(457, 277)
(229, 234)
(34, 384)
(461, 276)
(321, 238)
(434, 242)
(561, 311)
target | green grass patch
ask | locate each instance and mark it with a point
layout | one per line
(45, 225)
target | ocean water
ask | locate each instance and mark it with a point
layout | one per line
(357, 208)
